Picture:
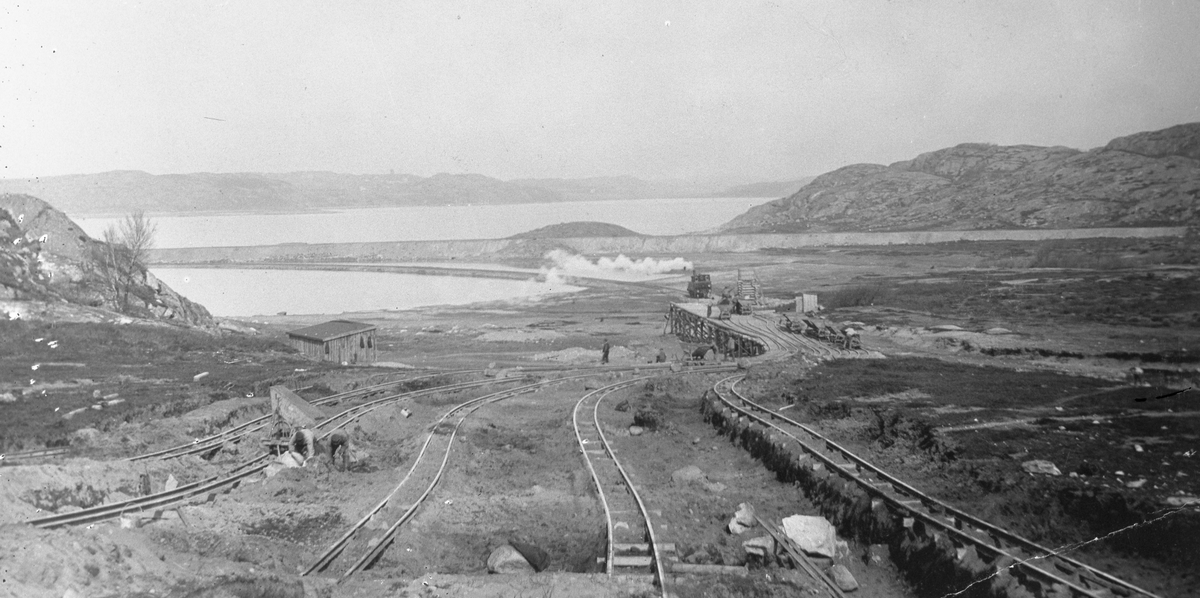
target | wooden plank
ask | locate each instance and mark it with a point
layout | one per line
(632, 561)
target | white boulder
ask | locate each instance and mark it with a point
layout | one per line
(506, 559)
(814, 535)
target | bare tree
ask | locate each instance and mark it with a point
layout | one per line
(120, 259)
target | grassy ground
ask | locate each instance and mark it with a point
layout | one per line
(54, 369)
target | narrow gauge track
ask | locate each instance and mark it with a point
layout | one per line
(639, 551)
(203, 445)
(964, 529)
(14, 458)
(231, 479)
(443, 442)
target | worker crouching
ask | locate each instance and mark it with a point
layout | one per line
(305, 448)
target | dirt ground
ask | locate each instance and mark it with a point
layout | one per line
(955, 412)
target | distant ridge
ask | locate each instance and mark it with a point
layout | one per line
(577, 230)
(1145, 179)
(124, 191)
(771, 189)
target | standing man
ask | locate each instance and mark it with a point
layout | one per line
(604, 352)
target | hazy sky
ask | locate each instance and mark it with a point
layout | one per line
(734, 89)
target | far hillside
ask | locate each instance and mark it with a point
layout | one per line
(768, 189)
(1145, 179)
(572, 230)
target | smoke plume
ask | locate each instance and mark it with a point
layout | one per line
(618, 268)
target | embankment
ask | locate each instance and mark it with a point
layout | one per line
(931, 560)
(668, 245)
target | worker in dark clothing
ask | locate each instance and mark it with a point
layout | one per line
(304, 442)
(661, 357)
(339, 441)
(604, 352)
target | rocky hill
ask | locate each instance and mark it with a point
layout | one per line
(575, 230)
(1146, 179)
(47, 260)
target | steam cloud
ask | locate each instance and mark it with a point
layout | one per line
(619, 268)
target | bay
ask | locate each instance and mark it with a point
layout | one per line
(235, 292)
(673, 216)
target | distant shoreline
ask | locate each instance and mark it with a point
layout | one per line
(351, 208)
(406, 251)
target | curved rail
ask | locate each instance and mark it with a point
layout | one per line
(206, 444)
(594, 435)
(375, 552)
(243, 470)
(919, 505)
(372, 554)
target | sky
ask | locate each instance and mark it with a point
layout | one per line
(740, 91)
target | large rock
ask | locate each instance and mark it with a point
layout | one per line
(814, 535)
(1041, 466)
(762, 546)
(85, 436)
(535, 556)
(506, 559)
(743, 519)
(842, 577)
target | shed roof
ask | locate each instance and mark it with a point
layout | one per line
(331, 330)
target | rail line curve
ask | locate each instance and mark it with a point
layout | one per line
(230, 479)
(1077, 577)
(617, 493)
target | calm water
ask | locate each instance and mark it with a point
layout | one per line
(648, 216)
(248, 292)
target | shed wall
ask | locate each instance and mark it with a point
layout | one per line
(354, 348)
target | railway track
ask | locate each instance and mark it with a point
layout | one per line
(633, 548)
(402, 503)
(210, 443)
(229, 480)
(24, 456)
(438, 442)
(1031, 559)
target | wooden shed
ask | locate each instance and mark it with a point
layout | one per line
(337, 341)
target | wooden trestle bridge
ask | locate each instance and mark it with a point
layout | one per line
(689, 323)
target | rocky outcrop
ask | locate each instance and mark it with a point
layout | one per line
(45, 257)
(1148, 179)
(1180, 140)
(577, 229)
